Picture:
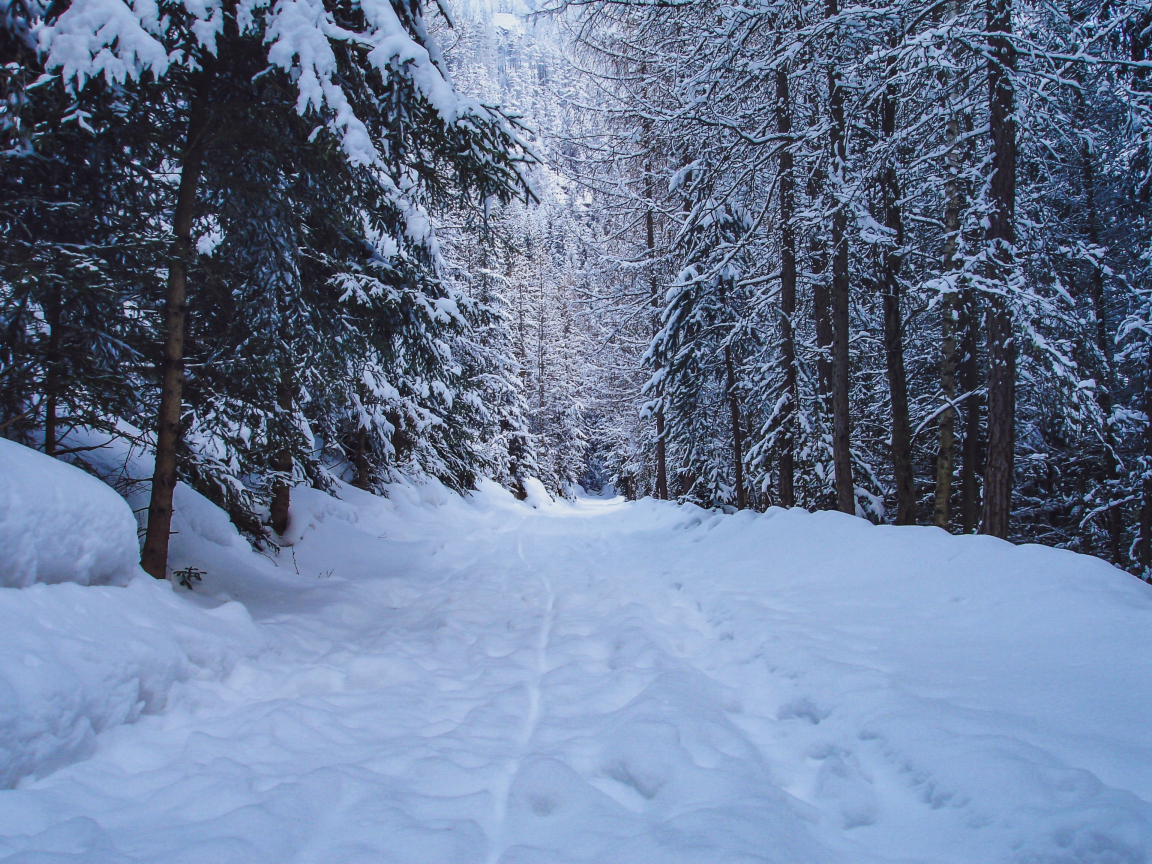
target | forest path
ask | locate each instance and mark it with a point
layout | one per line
(611, 682)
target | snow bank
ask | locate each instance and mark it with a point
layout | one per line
(75, 661)
(536, 495)
(58, 524)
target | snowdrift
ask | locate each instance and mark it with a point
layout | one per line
(75, 661)
(58, 524)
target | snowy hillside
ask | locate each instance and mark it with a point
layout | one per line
(433, 679)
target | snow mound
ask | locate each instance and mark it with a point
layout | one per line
(75, 661)
(79, 659)
(58, 524)
(536, 495)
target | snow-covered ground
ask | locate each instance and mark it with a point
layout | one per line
(430, 679)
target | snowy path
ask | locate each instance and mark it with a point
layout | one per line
(637, 683)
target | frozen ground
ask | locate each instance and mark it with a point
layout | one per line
(436, 680)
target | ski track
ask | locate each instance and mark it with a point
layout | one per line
(496, 835)
(571, 685)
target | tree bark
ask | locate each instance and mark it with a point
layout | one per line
(971, 467)
(787, 466)
(822, 312)
(154, 556)
(822, 315)
(734, 409)
(841, 420)
(737, 432)
(893, 322)
(661, 448)
(1145, 544)
(282, 463)
(1001, 238)
(945, 457)
(540, 354)
(52, 371)
(362, 480)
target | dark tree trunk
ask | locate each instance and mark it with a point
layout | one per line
(822, 309)
(154, 557)
(1146, 487)
(841, 420)
(661, 449)
(282, 463)
(737, 432)
(972, 466)
(540, 353)
(1001, 421)
(52, 371)
(945, 457)
(734, 408)
(787, 466)
(363, 481)
(894, 325)
(661, 457)
(1001, 238)
(821, 303)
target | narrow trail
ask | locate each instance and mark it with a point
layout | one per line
(611, 683)
(534, 686)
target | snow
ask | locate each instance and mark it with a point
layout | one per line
(76, 661)
(58, 524)
(120, 41)
(427, 678)
(509, 22)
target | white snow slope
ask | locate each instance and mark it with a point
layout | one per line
(457, 681)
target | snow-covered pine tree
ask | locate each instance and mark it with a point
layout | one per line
(392, 111)
(698, 355)
(81, 244)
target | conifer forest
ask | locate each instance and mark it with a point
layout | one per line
(889, 257)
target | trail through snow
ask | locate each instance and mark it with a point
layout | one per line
(455, 681)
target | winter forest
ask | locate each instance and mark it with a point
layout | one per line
(575, 431)
(886, 258)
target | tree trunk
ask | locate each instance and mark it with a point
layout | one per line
(737, 432)
(1146, 486)
(154, 557)
(822, 313)
(893, 323)
(1001, 238)
(787, 466)
(661, 457)
(540, 354)
(945, 457)
(972, 466)
(362, 480)
(822, 309)
(52, 371)
(841, 420)
(282, 463)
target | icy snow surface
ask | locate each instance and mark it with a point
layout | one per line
(483, 680)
